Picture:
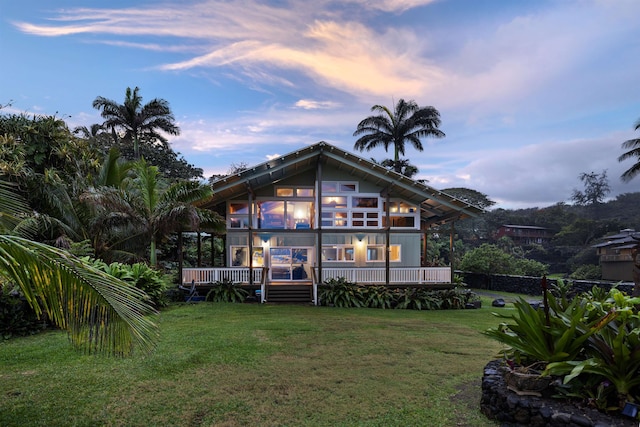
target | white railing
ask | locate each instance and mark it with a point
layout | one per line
(397, 275)
(211, 275)
(404, 275)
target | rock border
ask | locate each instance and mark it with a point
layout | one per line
(513, 410)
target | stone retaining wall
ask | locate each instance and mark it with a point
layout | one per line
(512, 410)
(529, 285)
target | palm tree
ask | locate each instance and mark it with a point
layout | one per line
(102, 314)
(408, 123)
(163, 209)
(139, 123)
(633, 145)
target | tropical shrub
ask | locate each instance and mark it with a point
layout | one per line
(587, 272)
(341, 293)
(154, 283)
(377, 297)
(591, 342)
(611, 356)
(226, 291)
(491, 259)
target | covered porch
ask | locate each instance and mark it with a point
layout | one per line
(256, 279)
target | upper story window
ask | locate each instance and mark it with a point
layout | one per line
(339, 187)
(401, 214)
(294, 192)
(238, 215)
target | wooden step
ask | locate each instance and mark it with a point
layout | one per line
(289, 294)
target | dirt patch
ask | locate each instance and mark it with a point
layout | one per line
(467, 397)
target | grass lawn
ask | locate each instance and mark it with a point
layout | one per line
(261, 365)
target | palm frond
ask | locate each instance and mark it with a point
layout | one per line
(101, 314)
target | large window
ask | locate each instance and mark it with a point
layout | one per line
(290, 214)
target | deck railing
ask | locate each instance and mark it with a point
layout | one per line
(212, 275)
(397, 275)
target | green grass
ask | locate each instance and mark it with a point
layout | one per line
(261, 365)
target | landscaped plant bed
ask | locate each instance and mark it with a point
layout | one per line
(513, 409)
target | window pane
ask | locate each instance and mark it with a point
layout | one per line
(364, 202)
(271, 214)
(299, 215)
(238, 208)
(329, 254)
(394, 253)
(329, 187)
(349, 254)
(334, 202)
(284, 192)
(375, 253)
(304, 192)
(347, 188)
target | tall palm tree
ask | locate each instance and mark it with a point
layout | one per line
(407, 123)
(138, 123)
(633, 145)
(102, 314)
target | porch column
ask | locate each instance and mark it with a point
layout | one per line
(213, 251)
(199, 248)
(387, 239)
(250, 193)
(451, 254)
(319, 220)
(180, 256)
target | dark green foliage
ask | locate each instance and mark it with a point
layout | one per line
(591, 342)
(490, 259)
(587, 272)
(226, 291)
(377, 297)
(17, 318)
(342, 293)
(154, 283)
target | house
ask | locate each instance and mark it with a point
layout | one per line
(321, 212)
(525, 234)
(616, 255)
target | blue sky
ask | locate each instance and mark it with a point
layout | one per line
(531, 94)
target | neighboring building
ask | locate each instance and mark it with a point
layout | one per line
(617, 255)
(525, 234)
(321, 212)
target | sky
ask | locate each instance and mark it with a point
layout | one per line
(531, 93)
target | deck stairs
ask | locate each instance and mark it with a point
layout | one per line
(288, 293)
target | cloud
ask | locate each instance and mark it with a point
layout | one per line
(308, 104)
(539, 174)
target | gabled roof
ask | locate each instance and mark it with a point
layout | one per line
(626, 239)
(436, 206)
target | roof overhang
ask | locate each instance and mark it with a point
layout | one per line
(435, 206)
